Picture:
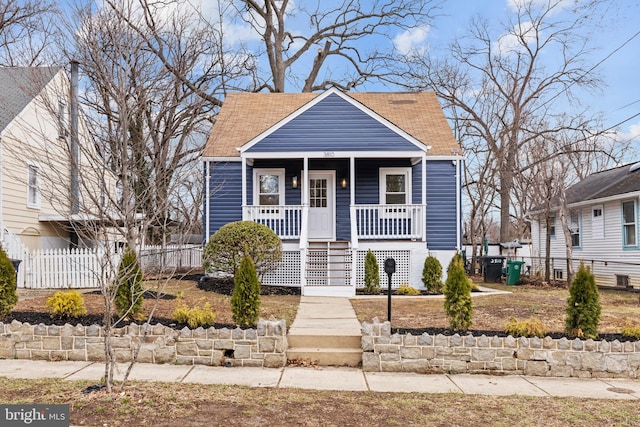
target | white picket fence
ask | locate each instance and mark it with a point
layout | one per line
(170, 257)
(89, 268)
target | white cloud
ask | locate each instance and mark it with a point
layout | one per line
(633, 133)
(412, 40)
(513, 41)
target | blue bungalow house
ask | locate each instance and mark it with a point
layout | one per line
(335, 174)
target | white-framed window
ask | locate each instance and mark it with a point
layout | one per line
(629, 224)
(574, 228)
(395, 186)
(268, 190)
(552, 225)
(33, 185)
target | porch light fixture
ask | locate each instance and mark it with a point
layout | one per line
(343, 183)
(294, 182)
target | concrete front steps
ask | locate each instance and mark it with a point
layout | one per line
(325, 332)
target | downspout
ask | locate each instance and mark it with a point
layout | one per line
(75, 151)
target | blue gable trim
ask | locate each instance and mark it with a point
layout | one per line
(333, 124)
(442, 221)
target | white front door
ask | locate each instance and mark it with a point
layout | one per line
(322, 222)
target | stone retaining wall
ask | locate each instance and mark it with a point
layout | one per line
(384, 352)
(264, 346)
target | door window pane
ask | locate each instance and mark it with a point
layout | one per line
(318, 193)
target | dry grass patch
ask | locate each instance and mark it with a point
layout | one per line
(492, 312)
(169, 404)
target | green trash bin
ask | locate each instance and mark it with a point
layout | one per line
(513, 271)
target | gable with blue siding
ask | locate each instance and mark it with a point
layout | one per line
(333, 124)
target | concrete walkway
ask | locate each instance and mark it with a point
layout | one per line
(344, 379)
(325, 315)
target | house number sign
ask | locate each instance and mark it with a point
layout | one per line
(330, 154)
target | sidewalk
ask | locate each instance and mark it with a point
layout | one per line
(327, 378)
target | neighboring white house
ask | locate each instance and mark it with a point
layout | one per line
(604, 227)
(35, 161)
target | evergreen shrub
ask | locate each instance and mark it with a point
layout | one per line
(583, 305)
(457, 296)
(371, 274)
(245, 300)
(8, 289)
(129, 294)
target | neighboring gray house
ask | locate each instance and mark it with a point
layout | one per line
(604, 227)
(335, 174)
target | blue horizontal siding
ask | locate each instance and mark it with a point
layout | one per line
(333, 125)
(442, 221)
(225, 192)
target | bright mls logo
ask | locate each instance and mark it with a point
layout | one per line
(34, 415)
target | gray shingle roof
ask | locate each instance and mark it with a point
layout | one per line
(611, 182)
(18, 87)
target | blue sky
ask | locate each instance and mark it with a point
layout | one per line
(618, 36)
(616, 42)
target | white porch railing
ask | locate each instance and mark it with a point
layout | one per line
(390, 221)
(285, 221)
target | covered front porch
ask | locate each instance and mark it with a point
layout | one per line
(325, 206)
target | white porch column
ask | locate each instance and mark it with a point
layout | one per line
(304, 231)
(353, 220)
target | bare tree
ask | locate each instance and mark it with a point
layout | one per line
(141, 136)
(333, 39)
(26, 31)
(505, 89)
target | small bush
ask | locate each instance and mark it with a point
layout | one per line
(129, 295)
(245, 300)
(195, 316)
(583, 305)
(405, 289)
(532, 327)
(66, 305)
(371, 274)
(8, 291)
(631, 331)
(432, 275)
(457, 295)
(226, 248)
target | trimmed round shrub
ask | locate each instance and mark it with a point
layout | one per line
(8, 289)
(245, 300)
(66, 305)
(129, 294)
(233, 241)
(432, 275)
(371, 274)
(457, 295)
(583, 305)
